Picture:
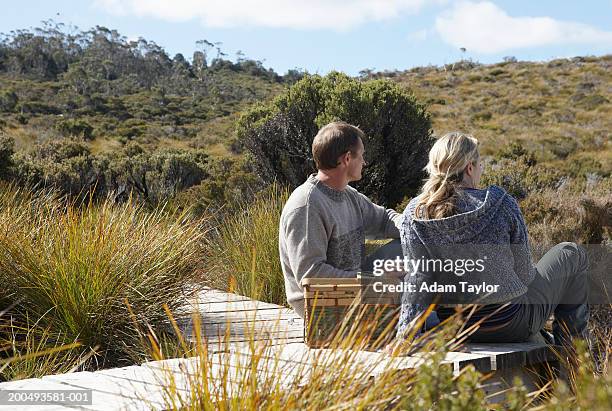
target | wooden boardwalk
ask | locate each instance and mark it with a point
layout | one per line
(230, 324)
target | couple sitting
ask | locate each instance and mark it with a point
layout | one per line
(325, 221)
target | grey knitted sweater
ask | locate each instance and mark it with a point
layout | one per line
(488, 220)
(322, 234)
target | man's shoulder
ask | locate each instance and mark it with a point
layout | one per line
(302, 197)
(353, 192)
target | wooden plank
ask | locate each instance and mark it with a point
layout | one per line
(322, 281)
(33, 384)
(217, 328)
(244, 323)
(229, 371)
(240, 316)
(511, 355)
(229, 306)
(218, 346)
(112, 393)
(250, 328)
(210, 294)
(143, 375)
(245, 331)
(378, 361)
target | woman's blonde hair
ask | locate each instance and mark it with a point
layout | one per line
(448, 158)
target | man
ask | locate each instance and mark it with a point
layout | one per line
(325, 221)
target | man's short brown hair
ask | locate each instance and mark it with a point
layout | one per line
(332, 141)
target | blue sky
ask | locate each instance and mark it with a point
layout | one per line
(346, 35)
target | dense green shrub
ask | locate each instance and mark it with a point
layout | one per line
(518, 178)
(153, 177)
(8, 100)
(66, 165)
(7, 148)
(516, 151)
(230, 185)
(75, 128)
(397, 127)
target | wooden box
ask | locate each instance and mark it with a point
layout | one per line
(338, 305)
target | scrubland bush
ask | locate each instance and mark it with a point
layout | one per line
(554, 216)
(279, 135)
(75, 128)
(520, 179)
(230, 185)
(69, 167)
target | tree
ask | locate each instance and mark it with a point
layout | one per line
(199, 64)
(279, 136)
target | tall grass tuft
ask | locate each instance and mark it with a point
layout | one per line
(258, 374)
(33, 352)
(72, 268)
(243, 255)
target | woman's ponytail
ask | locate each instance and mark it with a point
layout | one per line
(447, 159)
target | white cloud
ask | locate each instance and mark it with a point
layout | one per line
(483, 27)
(418, 36)
(298, 14)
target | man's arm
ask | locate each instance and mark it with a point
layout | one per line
(306, 242)
(379, 222)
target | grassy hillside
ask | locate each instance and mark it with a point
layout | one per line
(561, 110)
(153, 118)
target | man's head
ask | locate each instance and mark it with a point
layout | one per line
(338, 146)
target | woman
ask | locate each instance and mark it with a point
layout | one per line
(452, 213)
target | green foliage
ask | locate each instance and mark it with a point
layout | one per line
(590, 392)
(7, 147)
(519, 179)
(75, 128)
(516, 151)
(31, 351)
(153, 177)
(156, 177)
(229, 186)
(516, 398)
(66, 165)
(436, 388)
(398, 133)
(8, 100)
